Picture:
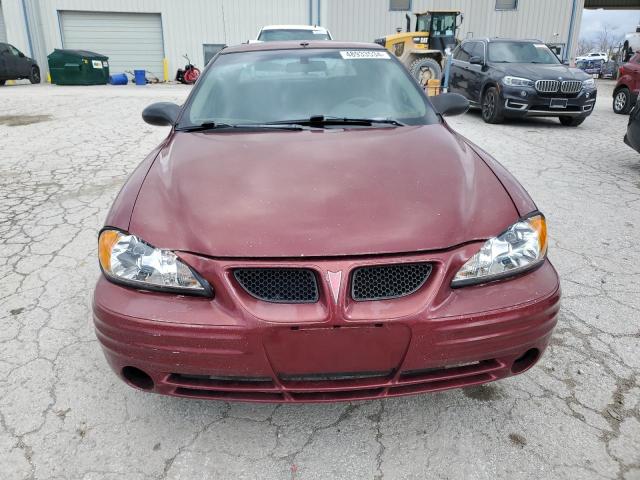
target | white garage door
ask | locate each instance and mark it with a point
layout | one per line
(130, 40)
(3, 29)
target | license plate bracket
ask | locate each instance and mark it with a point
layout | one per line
(558, 103)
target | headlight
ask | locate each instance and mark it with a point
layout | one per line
(517, 81)
(521, 247)
(589, 83)
(126, 259)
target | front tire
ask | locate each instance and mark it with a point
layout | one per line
(425, 69)
(491, 106)
(622, 101)
(571, 121)
(34, 76)
(2, 82)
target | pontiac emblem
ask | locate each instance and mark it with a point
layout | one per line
(334, 279)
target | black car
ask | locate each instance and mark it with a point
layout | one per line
(15, 65)
(632, 138)
(520, 78)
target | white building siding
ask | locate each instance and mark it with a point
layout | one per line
(188, 24)
(12, 11)
(3, 29)
(365, 20)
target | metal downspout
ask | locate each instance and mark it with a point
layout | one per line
(26, 24)
(572, 22)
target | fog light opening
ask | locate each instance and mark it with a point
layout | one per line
(137, 378)
(525, 361)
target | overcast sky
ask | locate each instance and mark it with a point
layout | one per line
(621, 21)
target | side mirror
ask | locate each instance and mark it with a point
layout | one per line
(476, 61)
(450, 104)
(161, 114)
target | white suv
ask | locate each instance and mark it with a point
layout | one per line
(594, 56)
(270, 33)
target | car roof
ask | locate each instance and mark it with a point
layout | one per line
(295, 27)
(518, 40)
(301, 45)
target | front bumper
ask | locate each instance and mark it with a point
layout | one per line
(235, 347)
(534, 104)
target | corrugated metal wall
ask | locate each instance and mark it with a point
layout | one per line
(365, 20)
(14, 25)
(3, 30)
(187, 25)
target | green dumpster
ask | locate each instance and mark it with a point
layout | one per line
(78, 67)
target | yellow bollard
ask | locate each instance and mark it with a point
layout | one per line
(433, 87)
(48, 77)
(165, 66)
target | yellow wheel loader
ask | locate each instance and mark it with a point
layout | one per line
(422, 51)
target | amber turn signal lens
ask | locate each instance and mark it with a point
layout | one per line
(539, 224)
(107, 240)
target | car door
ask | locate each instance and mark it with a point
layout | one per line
(459, 66)
(476, 72)
(632, 138)
(22, 64)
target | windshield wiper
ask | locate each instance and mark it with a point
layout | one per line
(206, 126)
(321, 121)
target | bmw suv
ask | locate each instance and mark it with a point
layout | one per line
(520, 78)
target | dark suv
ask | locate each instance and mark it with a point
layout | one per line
(520, 78)
(15, 65)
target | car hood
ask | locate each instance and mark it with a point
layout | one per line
(534, 71)
(319, 193)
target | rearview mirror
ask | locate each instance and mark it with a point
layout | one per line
(476, 61)
(450, 104)
(161, 114)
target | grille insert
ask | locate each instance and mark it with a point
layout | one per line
(547, 86)
(279, 285)
(571, 86)
(382, 282)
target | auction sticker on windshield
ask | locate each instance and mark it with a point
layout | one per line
(358, 54)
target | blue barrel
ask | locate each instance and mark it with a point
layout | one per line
(118, 79)
(141, 78)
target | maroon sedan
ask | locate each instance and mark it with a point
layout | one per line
(312, 230)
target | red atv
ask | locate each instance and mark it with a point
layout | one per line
(189, 74)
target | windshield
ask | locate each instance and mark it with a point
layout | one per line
(292, 34)
(282, 85)
(521, 52)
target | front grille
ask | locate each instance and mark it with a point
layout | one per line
(388, 281)
(547, 86)
(279, 285)
(571, 86)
